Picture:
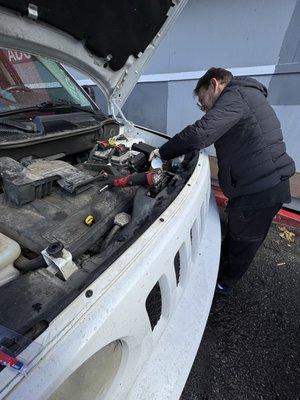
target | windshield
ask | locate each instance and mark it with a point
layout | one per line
(27, 80)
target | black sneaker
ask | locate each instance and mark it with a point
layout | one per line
(222, 289)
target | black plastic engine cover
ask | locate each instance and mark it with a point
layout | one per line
(20, 186)
(60, 217)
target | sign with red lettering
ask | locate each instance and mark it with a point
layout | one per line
(16, 57)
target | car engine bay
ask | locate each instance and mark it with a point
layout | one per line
(65, 217)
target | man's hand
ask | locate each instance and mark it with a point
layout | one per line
(154, 153)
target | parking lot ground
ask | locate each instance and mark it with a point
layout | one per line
(250, 348)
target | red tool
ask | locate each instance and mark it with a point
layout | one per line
(10, 361)
(140, 179)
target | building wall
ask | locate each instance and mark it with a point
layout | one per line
(237, 33)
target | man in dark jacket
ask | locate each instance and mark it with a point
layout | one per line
(254, 168)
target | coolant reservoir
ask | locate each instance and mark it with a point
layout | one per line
(9, 252)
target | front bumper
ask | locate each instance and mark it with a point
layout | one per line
(165, 373)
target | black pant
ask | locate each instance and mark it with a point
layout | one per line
(246, 231)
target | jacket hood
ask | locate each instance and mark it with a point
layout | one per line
(246, 81)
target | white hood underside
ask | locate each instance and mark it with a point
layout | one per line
(32, 36)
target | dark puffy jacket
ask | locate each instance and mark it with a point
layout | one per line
(247, 136)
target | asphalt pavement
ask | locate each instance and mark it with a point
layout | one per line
(250, 348)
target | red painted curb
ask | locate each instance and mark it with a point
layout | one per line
(283, 217)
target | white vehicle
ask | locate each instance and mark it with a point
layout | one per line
(108, 265)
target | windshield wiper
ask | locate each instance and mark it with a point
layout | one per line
(65, 103)
(50, 105)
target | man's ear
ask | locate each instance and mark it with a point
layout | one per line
(214, 82)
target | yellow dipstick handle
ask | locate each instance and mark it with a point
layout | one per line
(89, 220)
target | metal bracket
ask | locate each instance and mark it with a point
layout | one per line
(33, 11)
(63, 266)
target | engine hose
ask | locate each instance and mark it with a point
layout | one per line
(109, 237)
(24, 264)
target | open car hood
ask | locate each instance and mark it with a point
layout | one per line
(109, 40)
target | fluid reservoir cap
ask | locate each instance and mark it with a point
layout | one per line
(156, 163)
(55, 249)
(89, 220)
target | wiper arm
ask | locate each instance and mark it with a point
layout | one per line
(48, 105)
(62, 102)
(35, 107)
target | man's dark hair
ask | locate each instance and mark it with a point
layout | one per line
(221, 74)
